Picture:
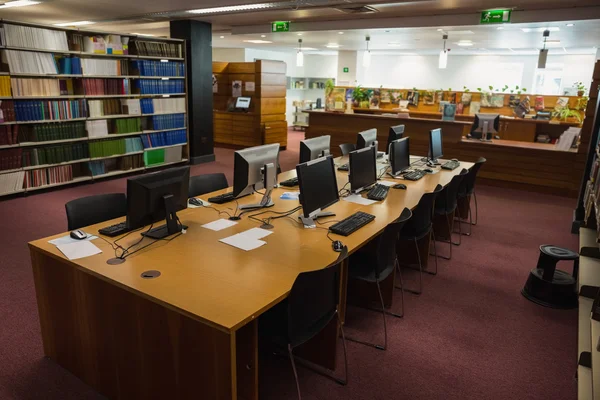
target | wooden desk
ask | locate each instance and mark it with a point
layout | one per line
(192, 332)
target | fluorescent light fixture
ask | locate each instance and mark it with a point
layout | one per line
(332, 45)
(465, 43)
(570, 25)
(340, 33)
(142, 34)
(299, 34)
(443, 61)
(500, 28)
(224, 9)
(367, 59)
(440, 30)
(76, 23)
(551, 29)
(299, 55)
(307, 48)
(19, 3)
(222, 37)
(257, 41)
(263, 36)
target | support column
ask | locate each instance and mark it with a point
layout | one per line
(198, 37)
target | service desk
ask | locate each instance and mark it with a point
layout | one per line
(523, 165)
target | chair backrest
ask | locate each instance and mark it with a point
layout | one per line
(468, 184)
(91, 210)
(207, 183)
(346, 148)
(447, 200)
(313, 301)
(423, 213)
(386, 243)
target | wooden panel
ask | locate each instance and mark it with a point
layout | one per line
(247, 361)
(223, 85)
(241, 68)
(272, 117)
(270, 79)
(271, 91)
(271, 66)
(275, 132)
(516, 130)
(220, 102)
(219, 67)
(272, 106)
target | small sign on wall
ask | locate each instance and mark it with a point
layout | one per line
(346, 69)
(250, 87)
(215, 84)
(236, 88)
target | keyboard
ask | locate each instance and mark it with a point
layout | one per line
(114, 230)
(222, 198)
(378, 192)
(343, 167)
(451, 165)
(415, 175)
(351, 224)
(290, 182)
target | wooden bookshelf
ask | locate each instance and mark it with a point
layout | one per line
(131, 71)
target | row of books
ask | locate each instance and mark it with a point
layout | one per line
(49, 176)
(5, 86)
(161, 156)
(159, 139)
(49, 132)
(116, 164)
(97, 128)
(36, 87)
(101, 86)
(7, 111)
(126, 125)
(158, 86)
(10, 159)
(131, 106)
(158, 68)
(158, 49)
(69, 66)
(104, 128)
(106, 148)
(93, 66)
(162, 106)
(9, 135)
(34, 38)
(169, 121)
(12, 182)
(54, 154)
(27, 62)
(99, 108)
(49, 110)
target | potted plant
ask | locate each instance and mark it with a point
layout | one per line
(582, 103)
(329, 85)
(580, 88)
(565, 113)
(360, 97)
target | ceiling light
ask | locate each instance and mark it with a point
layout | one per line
(142, 34)
(76, 23)
(543, 51)
(19, 3)
(263, 36)
(224, 9)
(299, 55)
(340, 33)
(332, 45)
(570, 25)
(367, 54)
(299, 34)
(464, 43)
(440, 30)
(551, 29)
(257, 41)
(500, 28)
(307, 48)
(222, 37)
(443, 60)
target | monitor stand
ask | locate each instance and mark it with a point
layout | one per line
(310, 222)
(171, 227)
(269, 174)
(484, 132)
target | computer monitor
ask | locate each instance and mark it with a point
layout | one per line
(311, 149)
(318, 188)
(157, 196)
(255, 168)
(435, 145)
(399, 156)
(242, 103)
(363, 168)
(485, 124)
(366, 138)
(395, 133)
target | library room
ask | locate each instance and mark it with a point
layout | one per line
(299, 200)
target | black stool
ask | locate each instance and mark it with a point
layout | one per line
(551, 287)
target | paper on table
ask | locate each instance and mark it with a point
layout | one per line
(68, 239)
(219, 224)
(255, 233)
(290, 196)
(80, 249)
(242, 242)
(386, 183)
(358, 199)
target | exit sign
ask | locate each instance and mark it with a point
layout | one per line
(280, 26)
(495, 17)
(346, 69)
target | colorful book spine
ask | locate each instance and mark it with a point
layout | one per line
(160, 139)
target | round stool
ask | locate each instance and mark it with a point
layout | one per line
(549, 286)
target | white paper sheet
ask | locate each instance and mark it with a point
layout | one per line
(68, 239)
(386, 183)
(80, 249)
(256, 233)
(358, 199)
(219, 224)
(243, 242)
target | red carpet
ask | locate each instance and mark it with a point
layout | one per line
(470, 335)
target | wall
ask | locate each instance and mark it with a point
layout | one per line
(228, 55)
(347, 59)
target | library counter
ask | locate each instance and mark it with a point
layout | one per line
(510, 163)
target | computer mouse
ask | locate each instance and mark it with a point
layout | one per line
(337, 245)
(399, 186)
(428, 170)
(194, 201)
(78, 234)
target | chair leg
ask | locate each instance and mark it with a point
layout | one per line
(420, 271)
(435, 254)
(476, 209)
(345, 380)
(295, 372)
(470, 223)
(445, 241)
(377, 346)
(401, 290)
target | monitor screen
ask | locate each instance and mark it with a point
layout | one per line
(311, 149)
(318, 185)
(395, 133)
(435, 144)
(366, 138)
(242, 102)
(399, 155)
(363, 168)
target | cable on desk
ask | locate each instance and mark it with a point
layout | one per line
(343, 192)
(218, 211)
(280, 214)
(317, 227)
(383, 173)
(125, 251)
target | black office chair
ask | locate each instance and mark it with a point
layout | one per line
(445, 206)
(346, 148)
(466, 191)
(308, 309)
(375, 263)
(91, 210)
(419, 226)
(207, 183)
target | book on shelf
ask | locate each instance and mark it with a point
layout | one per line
(131, 106)
(157, 49)
(37, 87)
(159, 86)
(75, 42)
(163, 106)
(7, 111)
(106, 86)
(28, 62)
(168, 121)
(10, 159)
(97, 128)
(126, 125)
(11, 182)
(173, 154)
(107, 148)
(168, 138)
(54, 154)
(37, 110)
(35, 38)
(158, 68)
(5, 86)
(125, 163)
(100, 108)
(92, 66)
(51, 131)
(69, 66)
(9, 135)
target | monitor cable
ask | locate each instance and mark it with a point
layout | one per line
(266, 222)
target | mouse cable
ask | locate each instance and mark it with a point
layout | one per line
(316, 227)
(126, 250)
(280, 214)
(218, 211)
(383, 172)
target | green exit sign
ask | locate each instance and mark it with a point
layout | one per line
(346, 69)
(495, 17)
(280, 26)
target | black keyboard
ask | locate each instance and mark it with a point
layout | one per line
(378, 192)
(351, 224)
(344, 167)
(451, 165)
(414, 175)
(290, 182)
(222, 198)
(114, 230)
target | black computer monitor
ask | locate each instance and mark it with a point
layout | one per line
(395, 133)
(363, 168)
(399, 156)
(311, 149)
(485, 124)
(255, 168)
(435, 145)
(366, 138)
(157, 196)
(318, 188)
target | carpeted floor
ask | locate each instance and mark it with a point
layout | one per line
(470, 335)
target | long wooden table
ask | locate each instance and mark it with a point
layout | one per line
(191, 332)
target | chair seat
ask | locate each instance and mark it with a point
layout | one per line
(410, 232)
(558, 253)
(362, 268)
